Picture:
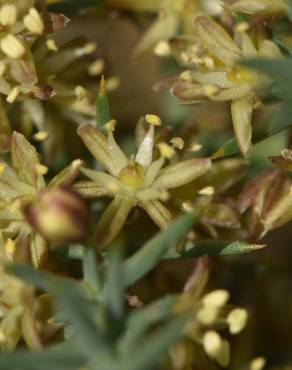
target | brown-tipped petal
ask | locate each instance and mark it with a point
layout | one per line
(158, 212)
(220, 215)
(283, 163)
(280, 214)
(182, 173)
(113, 219)
(241, 111)
(55, 22)
(67, 177)
(188, 92)
(26, 161)
(263, 191)
(217, 40)
(97, 144)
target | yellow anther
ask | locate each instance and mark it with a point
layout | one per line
(166, 150)
(258, 363)
(164, 195)
(186, 76)
(41, 169)
(187, 207)
(178, 143)
(236, 320)
(8, 15)
(33, 22)
(111, 125)
(12, 46)
(80, 92)
(162, 49)
(152, 119)
(2, 68)
(212, 343)
(207, 315)
(2, 336)
(10, 248)
(242, 27)
(113, 83)
(210, 90)
(51, 45)
(218, 298)
(90, 47)
(2, 167)
(13, 95)
(208, 191)
(40, 136)
(96, 68)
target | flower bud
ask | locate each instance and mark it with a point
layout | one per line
(59, 215)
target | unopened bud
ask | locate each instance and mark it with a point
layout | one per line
(59, 215)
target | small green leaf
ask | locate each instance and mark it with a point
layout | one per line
(91, 272)
(66, 356)
(149, 255)
(141, 320)
(113, 293)
(148, 353)
(216, 248)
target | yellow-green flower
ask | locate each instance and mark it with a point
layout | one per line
(139, 181)
(21, 185)
(219, 77)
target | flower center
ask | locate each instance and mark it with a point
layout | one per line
(132, 176)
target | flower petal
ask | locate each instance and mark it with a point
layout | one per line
(241, 111)
(145, 150)
(158, 212)
(217, 40)
(153, 171)
(182, 173)
(90, 189)
(113, 219)
(25, 160)
(97, 144)
(103, 180)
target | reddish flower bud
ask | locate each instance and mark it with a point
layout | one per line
(59, 215)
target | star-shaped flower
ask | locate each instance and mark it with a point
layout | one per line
(219, 77)
(140, 181)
